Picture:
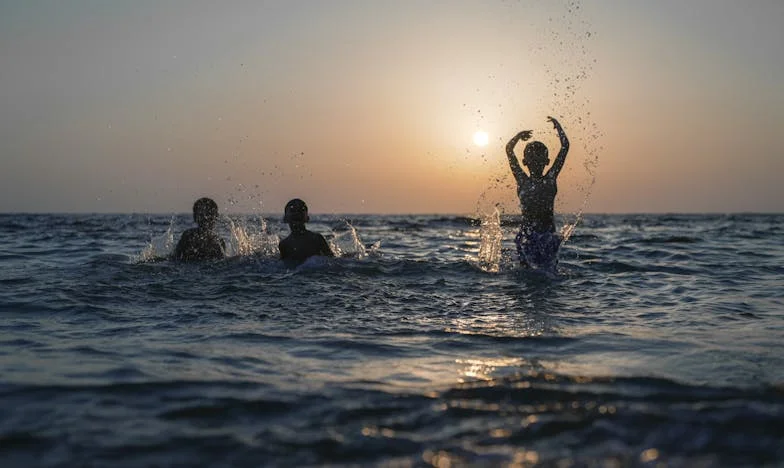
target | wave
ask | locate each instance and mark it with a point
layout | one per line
(670, 240)
(542, 417)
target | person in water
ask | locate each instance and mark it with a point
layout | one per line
(301, 243)
(201, 242)
(537, 243)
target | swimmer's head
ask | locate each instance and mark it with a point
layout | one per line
(296, 212)
(535, 157)
(205, 212)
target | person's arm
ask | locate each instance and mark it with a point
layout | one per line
(282, 249)
(517, 171)
(182, 244)
(325, 250)
(555, 169)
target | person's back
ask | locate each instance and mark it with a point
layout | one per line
(537, 201)
(301, 244)
(536, 242)
(201, 242)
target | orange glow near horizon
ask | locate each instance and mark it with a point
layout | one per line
(374, 107)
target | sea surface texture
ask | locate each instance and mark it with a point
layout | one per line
(659, 341)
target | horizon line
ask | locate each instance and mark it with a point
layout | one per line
(325, 213)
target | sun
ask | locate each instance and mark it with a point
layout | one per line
(481, 138)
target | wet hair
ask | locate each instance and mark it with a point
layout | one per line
(535, 156)
(296, 211)
(205, 212)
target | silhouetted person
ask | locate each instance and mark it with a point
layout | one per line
(537, 243)
(201, 242)
(301, 243)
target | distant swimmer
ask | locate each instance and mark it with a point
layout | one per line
(201, 242)
(537, 243)
(301, 243)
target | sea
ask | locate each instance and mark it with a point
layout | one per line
(657, 341)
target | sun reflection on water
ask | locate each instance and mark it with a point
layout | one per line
(477, 369)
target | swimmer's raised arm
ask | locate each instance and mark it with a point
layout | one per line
(517, 171)
(561, 158)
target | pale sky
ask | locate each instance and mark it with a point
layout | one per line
(370, 106)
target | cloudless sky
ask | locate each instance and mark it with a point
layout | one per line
(371, 105)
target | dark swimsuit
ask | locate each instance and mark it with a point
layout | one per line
(538, 249)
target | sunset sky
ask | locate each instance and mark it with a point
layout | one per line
(370, 106)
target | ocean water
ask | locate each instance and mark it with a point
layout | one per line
(659, 342)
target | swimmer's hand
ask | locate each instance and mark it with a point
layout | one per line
(555, 123)
(524, 135)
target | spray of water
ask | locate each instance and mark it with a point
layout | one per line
(251, 236)
(345, 241)
(159, 247)
(490, 236)
(569, 65)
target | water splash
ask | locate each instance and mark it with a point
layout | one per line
(159, 247)
(249, 238)
(490, 236)
(564, 56)
(345, 241)
(569, 65)
(569, 226)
